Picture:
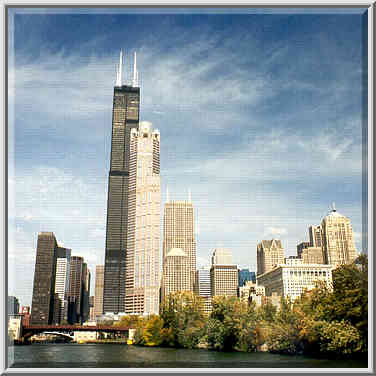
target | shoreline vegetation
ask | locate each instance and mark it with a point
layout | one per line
(321, 323)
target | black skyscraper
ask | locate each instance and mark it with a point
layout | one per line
(125, 116)
(42, 309)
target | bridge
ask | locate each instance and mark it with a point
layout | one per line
(68, 330)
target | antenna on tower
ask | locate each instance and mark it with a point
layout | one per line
(135, 73)
(189, 195)
(167, 195)
(119, 71)
(333, 206)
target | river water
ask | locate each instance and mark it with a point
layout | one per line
(123, 356)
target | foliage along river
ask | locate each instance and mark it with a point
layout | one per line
(122, 356)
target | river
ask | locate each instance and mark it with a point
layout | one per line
(122, 356)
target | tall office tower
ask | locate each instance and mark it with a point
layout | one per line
(142, 258)
(221, 256)
(44, 280)
(178, 232)
(337, 239)
(176, 272)
(269, 254)
(91, 307)
(315, 238)
(13, 305)
(76, 287)
(202, 287)
(125, 117)
(85, 306)
(63, 256)
(98, 295)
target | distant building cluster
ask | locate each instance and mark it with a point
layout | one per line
(61, 284)
(330, 245)
(135, 278)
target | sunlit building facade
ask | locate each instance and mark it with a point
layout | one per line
(143, 251)
(269, 254)
(178, 232)
(337, 239)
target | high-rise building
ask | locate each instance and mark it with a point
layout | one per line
(311, 255)
(178, 232)
(125, 117)
(245, 275)
(221, 256)
(25, 312)
(85, 306)
(13, 305)
(223, 277)
(269, 254)
(98, 297)
(337, 239)
(224, 280)
(76, 287)
(315, 237)
(63, 256)
(142, 273)
(301, 246)
(91, 309)
(176, 272)
(42, 309)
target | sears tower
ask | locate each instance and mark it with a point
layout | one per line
(125, 117)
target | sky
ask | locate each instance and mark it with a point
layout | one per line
(259, 111)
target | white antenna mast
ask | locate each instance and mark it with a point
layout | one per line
(135, 73)
(189, 195)
(119, 71)
(167, 195)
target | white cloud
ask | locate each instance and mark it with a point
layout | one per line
(275, 231)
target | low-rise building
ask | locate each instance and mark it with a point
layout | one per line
(15, 326)
(85, 336)
(202, 287)
(293, 277)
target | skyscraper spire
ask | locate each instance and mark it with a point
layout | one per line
(333, 206)
(167, 195)
(189, 195)
(119, 71)
(135, 73)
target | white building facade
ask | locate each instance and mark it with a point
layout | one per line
(293, 278)
(142, 273)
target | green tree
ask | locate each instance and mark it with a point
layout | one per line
(128, 321)
(283, 335)
(232, 325)
(183, 319)
(153, 332)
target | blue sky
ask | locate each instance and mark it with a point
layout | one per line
(260, 115)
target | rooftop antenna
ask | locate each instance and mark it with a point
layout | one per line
(333, 206)
(119, 71)
(135, 73)
(189, 195)
(167, 195)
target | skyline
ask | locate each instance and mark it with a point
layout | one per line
(269, 93)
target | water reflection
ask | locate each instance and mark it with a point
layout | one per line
(121, 356)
